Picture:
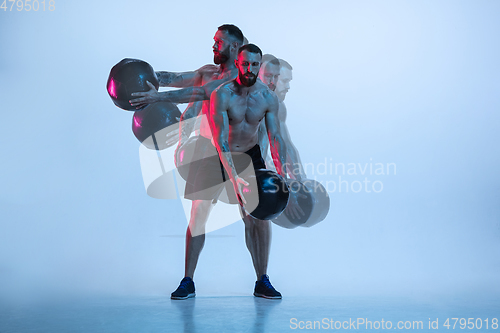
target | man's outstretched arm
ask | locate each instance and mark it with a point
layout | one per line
(185, 95)
(185, 79)
(178, 80)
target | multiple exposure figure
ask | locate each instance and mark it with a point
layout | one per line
(277, 74)
(231, 123)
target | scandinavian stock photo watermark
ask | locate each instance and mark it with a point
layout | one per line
(164, 180)
(342, 177)
(332, 176)
(335, 176)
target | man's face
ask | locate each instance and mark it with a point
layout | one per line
(248, 64)
(269, 74)
(221, 47)
(283, 84)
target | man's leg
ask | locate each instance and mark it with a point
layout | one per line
(258, 240)
(195, 239)
(195, 234)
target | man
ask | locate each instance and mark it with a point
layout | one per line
(193, 110)
(237, 109)
(269, 71)
(198, 86)
(282, 86)
(285, 77)
(270, 74)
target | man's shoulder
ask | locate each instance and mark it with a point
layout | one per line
(209, 72)
(225, 89)
(208, 69)
(226, 86)
(282, 106)
(268, 94)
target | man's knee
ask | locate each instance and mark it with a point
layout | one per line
(251, 221)
(201, 207)
(199, 213)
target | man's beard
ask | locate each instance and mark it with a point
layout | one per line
(221, 57)
(247, 80)
(281, 94)
(272, 86)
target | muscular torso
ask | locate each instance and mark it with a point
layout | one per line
(215, 73)
(245, 113)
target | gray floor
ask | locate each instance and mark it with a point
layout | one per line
(243, 314)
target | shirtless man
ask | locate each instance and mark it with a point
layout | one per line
(282, 87)
(270, 75)
(198, 84)
(269, 71)
(237, 109)
(192, 110)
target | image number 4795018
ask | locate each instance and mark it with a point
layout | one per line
(28, 5)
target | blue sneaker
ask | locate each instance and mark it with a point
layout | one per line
(264, 288)
(185, 289)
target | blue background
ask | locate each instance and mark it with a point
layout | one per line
(410, 83)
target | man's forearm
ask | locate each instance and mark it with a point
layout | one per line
(186, 95)
(278, 152)
(166, 78)
(295, 166)
(226, 158)
(263, 140)
(187, 120)
(179, 80)
(282, 158)
(293, 156)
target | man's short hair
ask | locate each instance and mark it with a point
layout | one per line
(232, 30)
(269, 58)
(252, 48)
(284, 63)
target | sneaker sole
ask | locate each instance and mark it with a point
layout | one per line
(265, 296)
(185, 297)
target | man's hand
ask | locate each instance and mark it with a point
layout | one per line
(238, 184)
(172, 136)
(145, 98)
(293, 208)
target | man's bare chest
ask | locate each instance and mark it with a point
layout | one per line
(247, 108)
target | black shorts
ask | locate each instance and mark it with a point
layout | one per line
(207, 177)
